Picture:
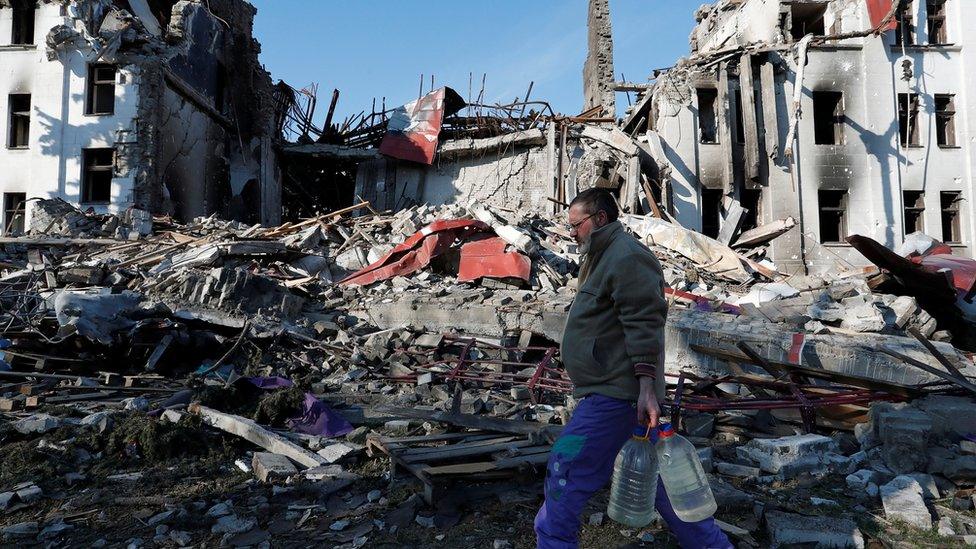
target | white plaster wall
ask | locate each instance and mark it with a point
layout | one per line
(60, 129)
(871, 165)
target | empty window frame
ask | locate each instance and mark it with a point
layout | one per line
(740, 125)
(905, 31)
(711, 211)
(100, 96)
(98, 167)
(707, 119)
(828, 118)
(908, 119)
(18, 134)
(14, 208)
(751, 200)
(951, 226)
(945, 120)
(935, 16)
(807, 19)
(22, 30)
(833, 216)
(914, 204)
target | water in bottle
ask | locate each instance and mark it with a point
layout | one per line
(634, 484)
(683, 477)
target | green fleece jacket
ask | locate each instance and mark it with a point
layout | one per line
(615, 328)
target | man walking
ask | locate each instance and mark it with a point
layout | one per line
(613, 349)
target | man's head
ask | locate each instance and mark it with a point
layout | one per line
(590, 210)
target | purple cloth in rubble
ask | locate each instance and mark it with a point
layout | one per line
(273, 382)
(319, 419)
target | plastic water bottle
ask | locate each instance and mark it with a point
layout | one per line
(634, 484)
(683, 477)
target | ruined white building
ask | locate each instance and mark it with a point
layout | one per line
(155, 104)
(883, 137)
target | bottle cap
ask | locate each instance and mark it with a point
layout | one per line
(666, 430)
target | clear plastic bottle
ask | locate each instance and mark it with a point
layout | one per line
(634, 484)
(683, 477)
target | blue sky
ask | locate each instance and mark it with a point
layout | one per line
(376, 48)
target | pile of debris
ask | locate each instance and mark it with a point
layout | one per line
(392, 378)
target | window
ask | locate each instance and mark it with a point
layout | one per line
(96, 180)
(707, 126)
(945, 120)
(740, 126)
(833, 216)
(914, 202)
(808, 19)
(828, 118)
(935, 15)
(951, 227)
(101, 89)
(751, 200)
(905, 32)
(19, 105)
(13, 213)
(22, 31)
(908, 119)
(711, 211)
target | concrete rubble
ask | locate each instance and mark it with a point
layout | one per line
(385, 371)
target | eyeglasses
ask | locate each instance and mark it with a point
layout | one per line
(574, 227)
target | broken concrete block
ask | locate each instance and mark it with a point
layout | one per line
(859, 480)
(902, 500)
(335, 452)
(788, 529)
(270, 467)
(398, 426)
(232, 524)
(961, 469)
(904, 308)
(967, 446)
(791, 455)
(736, 470)
(929, 489)
(949, 414)
(596, 519)
(904, 436)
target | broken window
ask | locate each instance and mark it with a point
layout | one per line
(945, 120)
(22, 31)
(14, 213)
(707, 121)
(828, 118)
(711, 211)
(740, 126)
(905, 31)
(914, 202)
(935, 15)
(101, 89)
(807, 19)
(752, 202)
(833, 216)
(19, 105)
(908, 119)
(96, 180)
(951, 227)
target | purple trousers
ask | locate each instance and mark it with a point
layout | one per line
(581, 463)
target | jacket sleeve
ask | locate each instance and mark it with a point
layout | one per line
(637, 290)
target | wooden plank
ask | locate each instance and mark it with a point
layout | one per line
(962, 382)
(935, 352)
(730, 225)
(254, 433)
(725, 128)
(749, 121)
(764, 233)
(486, 466)
(460, 450)
(474, 422)
(158, 352)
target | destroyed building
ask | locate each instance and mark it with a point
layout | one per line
(157, 105)
(799, 109)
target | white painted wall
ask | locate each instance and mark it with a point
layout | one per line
(871, 165)
(60, 129)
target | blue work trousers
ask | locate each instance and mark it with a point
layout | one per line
(581, 463)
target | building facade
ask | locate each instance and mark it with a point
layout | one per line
(846, 131)
(153, 104)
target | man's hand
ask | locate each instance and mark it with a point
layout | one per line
(647, 407)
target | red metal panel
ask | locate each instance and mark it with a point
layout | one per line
(416, 252)
(413, 129)
(488, 258)
(877, 10)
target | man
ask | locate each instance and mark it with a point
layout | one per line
(613, 349)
